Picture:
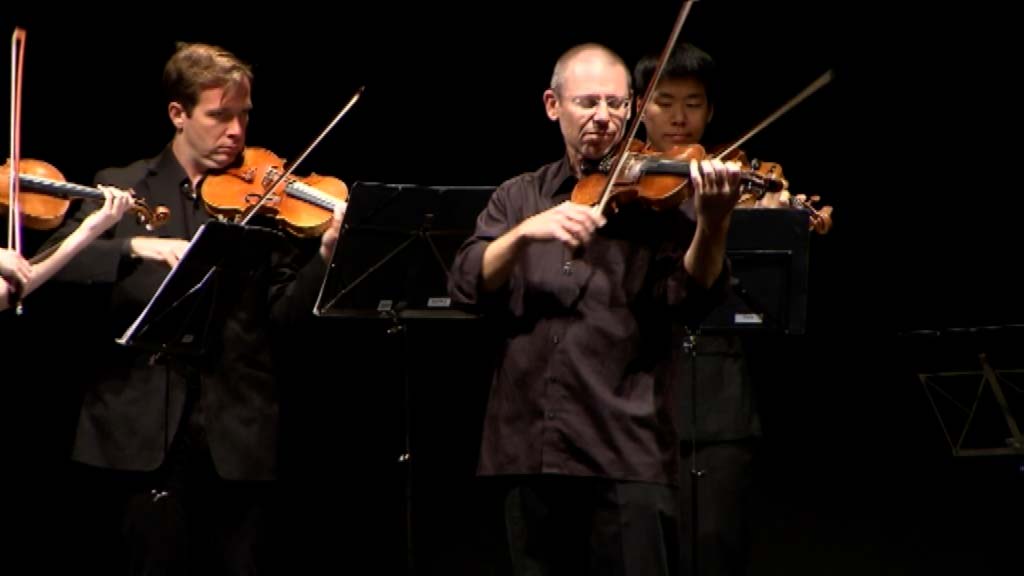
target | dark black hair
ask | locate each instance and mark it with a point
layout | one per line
(686, 60)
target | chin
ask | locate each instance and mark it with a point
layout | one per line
(219, 162)
(596, 151)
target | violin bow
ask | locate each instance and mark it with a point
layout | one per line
(266, 195)
(624, 145)
(821, 219)
(811, 89)
(14, 215)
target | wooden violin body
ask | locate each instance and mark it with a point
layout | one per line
(303, 206)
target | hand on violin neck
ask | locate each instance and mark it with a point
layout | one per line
(330, 237)
(716, 187)
(774, 200)
(116, 202)
(167, 250)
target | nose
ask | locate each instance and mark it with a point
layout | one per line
(236, 127)
(678, 115)
(602, 114)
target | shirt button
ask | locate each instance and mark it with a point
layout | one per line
(555, 338)
(549, 415)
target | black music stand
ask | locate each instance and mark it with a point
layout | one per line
(178, 318)
(395, 249)
(972, 377)
(768, 254)
(391, 265)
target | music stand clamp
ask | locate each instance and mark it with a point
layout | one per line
(391, 265)
(178, 318)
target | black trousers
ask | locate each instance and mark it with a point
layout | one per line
(180, 519)
(589, 526)
(722, 507)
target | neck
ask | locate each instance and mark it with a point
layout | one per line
(575, 162)
(581, 165)
(193, 169)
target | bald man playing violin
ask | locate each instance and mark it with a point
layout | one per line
(190, 444)
(579, 437)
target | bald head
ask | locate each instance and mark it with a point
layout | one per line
(589, 97)
(586, 56)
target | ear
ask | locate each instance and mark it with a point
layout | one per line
(639, 106)
(551, 104)
(177, 114)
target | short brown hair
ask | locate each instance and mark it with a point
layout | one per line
(195, 67)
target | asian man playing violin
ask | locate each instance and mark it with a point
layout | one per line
(185, 451)
(579, 429)
(721, 441)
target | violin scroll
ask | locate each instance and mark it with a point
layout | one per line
(150, 218)
(821, 218)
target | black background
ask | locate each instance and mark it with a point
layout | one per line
(913, 144)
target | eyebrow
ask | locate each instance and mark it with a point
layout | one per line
(599, 96)
(686, 98)
(221, 109)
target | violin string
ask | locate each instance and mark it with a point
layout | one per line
(811, 89)
(311, 194)
(266, 195)
(624, 150)
(295, 188)
(62, 189)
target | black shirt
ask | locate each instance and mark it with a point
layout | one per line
(583, 381)
(134, 402)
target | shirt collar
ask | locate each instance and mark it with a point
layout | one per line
(168, 170)
(558, 178)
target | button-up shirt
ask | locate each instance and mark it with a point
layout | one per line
(583, 382)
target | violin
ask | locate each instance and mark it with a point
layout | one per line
(820, 218)
(304, 206)
(46, 206)
(660, 180)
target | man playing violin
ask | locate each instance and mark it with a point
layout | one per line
(579, 429)
(185, 451)
(721, 442)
